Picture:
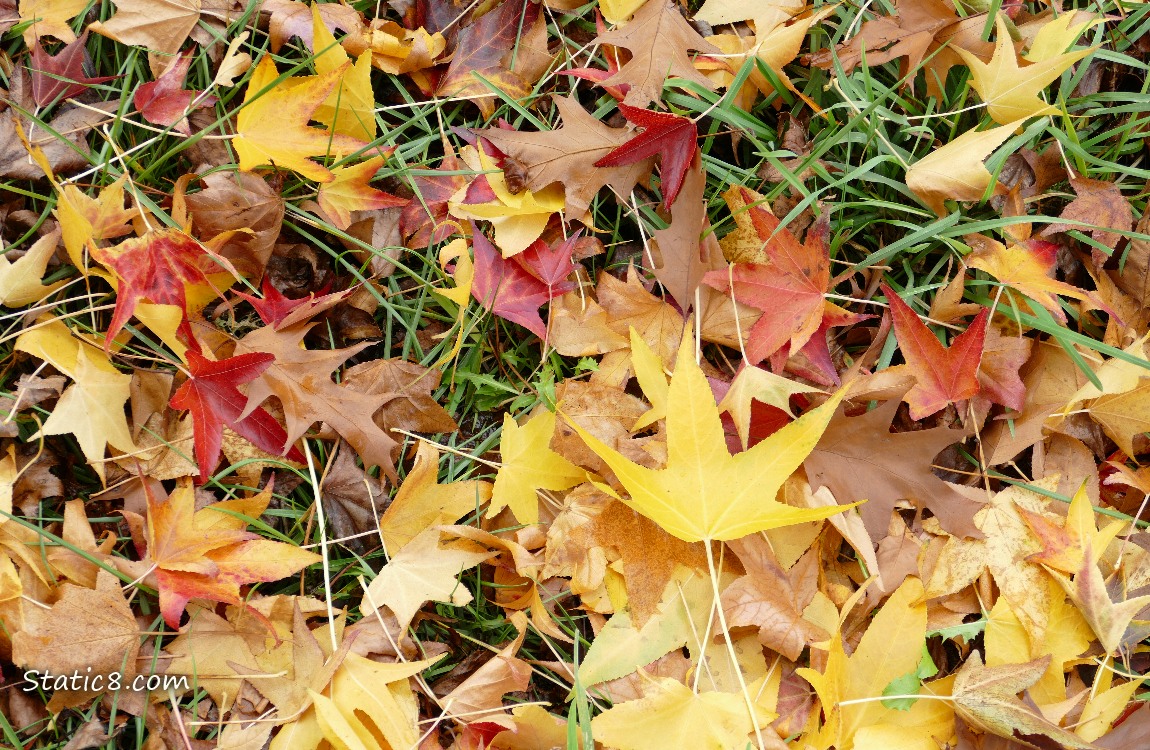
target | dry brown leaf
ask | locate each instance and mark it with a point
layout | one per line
(566, 155)
(658, 38)
(859, 458)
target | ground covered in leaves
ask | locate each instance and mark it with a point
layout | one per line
(629, 374)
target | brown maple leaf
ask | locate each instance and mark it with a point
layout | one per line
(658, 38)
(566, 155)
(859, 458)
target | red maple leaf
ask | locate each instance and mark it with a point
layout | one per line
(551, 264)
(159, 268)
(212, 395)
(789, 290)
(942, 375)
(673, 137)
(165, 101)
(61, 76)
(280, 311)
(505, 289)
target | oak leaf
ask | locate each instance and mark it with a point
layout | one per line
(859, 458)
(704, 492)
(563, 155)
(658, 38)
(687, 250)
(301, 380)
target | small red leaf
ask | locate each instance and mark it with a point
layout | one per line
(943, 374)
(505, 289)
(673, 137)
(212, 396)
(165, 102)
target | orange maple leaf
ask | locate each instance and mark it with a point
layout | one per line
(208, 553)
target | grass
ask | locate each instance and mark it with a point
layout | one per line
(873, 123)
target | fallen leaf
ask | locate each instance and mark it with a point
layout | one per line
(529, 465)
(350, 190)
(987, 698)
(272, 129)
(673, 711)
(211, 395)
(156, 25)
(1027, 267)
(208, 554)
(422, 571)
(164, 101)
(1011, 92)
(21, 282)
(955, 171)
(671, 137)
(704, 492)
(422, 502)
(61, 76)
(859, 458)
(658, 38)
(943, 375)
(563, 155)
(503, 288)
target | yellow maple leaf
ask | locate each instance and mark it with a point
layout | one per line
(423, 502)
(92, 408)
(955, 171)
(272, 126)
(518, 218)
(891, 647)
(529, 465)
(421, 572)
(670, 712)
(49, 18)
(20, 282)
(1009, 91)
(704, 492)
(350, 108)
